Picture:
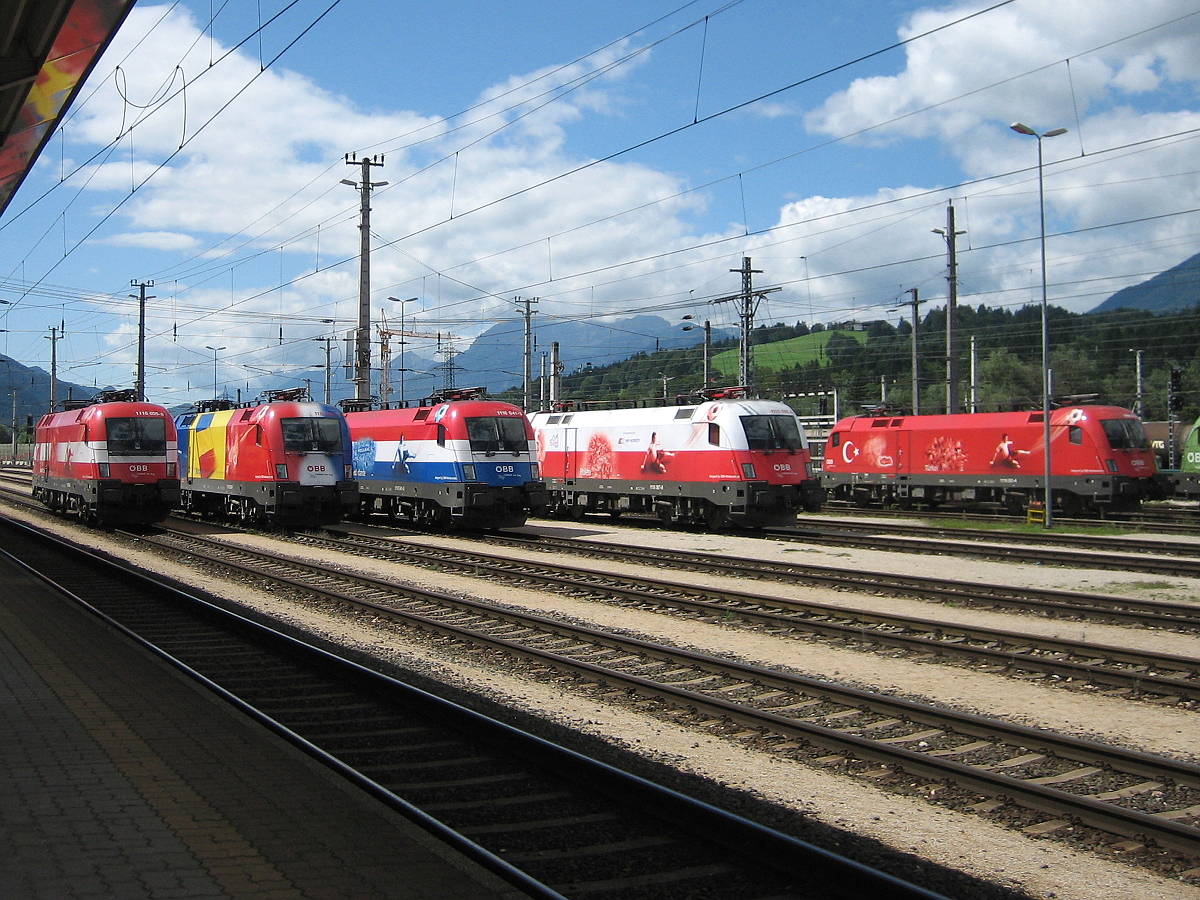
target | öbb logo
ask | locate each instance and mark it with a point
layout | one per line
(316, 469)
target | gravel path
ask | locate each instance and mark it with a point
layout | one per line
(1042, 868)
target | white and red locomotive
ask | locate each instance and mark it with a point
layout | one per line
(285, 461)
(1100, 458)
(721, 459)
(455, 459)
(112, 461)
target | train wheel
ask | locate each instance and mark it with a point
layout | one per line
(1070, 503)
(1016, 504)
(715, 516)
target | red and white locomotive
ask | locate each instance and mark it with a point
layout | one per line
(723, 458)
(1099, 457)
(455, 459)
(285, 461)
(112, 461)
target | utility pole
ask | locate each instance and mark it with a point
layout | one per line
(13, 384)
(362, 354)
(1139, 403)
(974, 376)
(53, 339)
(528, 302)
(951, 307)
(749, 302)
(556, 369)
(140, 385)
(916, 371)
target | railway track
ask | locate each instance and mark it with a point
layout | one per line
(1126, 554)
(1042, 601)
(1060, 780)
(553, 823)
(1176, 520)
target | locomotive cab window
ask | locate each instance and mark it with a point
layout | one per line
(771, 433)
(714, 434)
(497, 434)
(1075, 434)
(1125, 434)
(303, 435)
(136, 436)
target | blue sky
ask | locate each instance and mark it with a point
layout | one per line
(605, 158)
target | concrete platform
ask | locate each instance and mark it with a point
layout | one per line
(120, 779)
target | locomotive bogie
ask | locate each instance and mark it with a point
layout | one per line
(711, 463)
(448, 463)
(1100, 460)
(112, 462)
(284, 463)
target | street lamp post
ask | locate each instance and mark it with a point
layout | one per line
(328, 342)
(215, 350)
(1054, 132)
(707, 346)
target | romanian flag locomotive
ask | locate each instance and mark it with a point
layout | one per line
(112, 460)
(455, 459)
(285, 461)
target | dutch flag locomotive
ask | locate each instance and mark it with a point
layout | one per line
(454, 460)
(111, 461)
(1100, 459)
(723, 458)
(285, 461)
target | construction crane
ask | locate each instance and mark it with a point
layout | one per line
(385, 357)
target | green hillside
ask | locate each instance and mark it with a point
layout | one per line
(779, 356)
(1092, 355)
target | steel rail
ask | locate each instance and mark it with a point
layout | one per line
(1046, 798)
(1049, 601)
(830, 620)
(830, 874)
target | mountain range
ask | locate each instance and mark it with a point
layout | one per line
(495, 359)
(1175, 290)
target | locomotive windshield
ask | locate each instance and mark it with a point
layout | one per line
(1125, 434)
(497, 434)
(771, 433)
(311, 433)
(141, 436)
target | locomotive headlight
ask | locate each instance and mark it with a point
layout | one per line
(104, 470)
(468, 472)
(748, 470)
(170, 470)
(348, 472)
(534, 474)
(808, 470)
(1112, 466)
(281, 471)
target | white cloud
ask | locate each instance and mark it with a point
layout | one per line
(155, 240)
(473, 215)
